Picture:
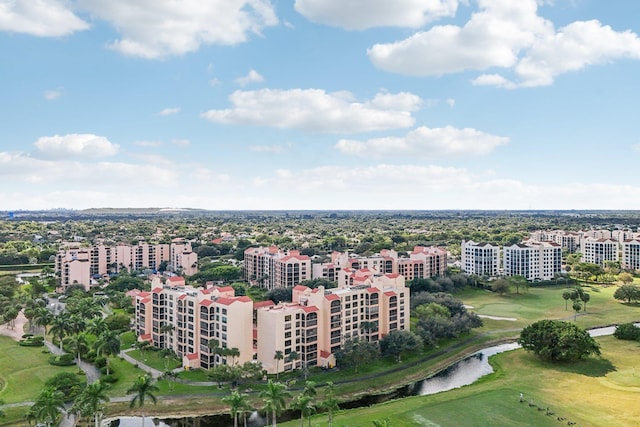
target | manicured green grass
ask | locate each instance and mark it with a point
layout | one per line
(547, 303)
(595, 392)
(155, 359)
(127, 374)
(24, 370)
(127, 340)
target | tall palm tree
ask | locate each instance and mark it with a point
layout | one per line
(143, 388)
(233, 352)
(96, 326)
(48, 406)
(305, 405)
(330, 403)
(292, 357)
(165, 329)
(90, 401)
(77, 344)
(214, 345)
(43, 318)
(238, 403)
(107, 344)
(274, 398)
(278, 357)
(59, 328)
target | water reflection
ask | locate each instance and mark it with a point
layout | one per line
(463, 373)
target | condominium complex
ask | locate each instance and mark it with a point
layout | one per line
(186, 319)
(82, 264)
(422, 262)
(482, 259)
(599, 250)
(533, 260)
(271, 267)
(631, 254)
(314, 325)
(569, 241)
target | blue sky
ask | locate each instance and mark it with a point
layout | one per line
(320, 104)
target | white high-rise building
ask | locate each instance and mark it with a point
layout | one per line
(482, 259)
(597, 251)
(533, 260)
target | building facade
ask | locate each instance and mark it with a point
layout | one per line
(631, 254)
(272, 268)
(598, 251)
(479, 258)
(533, 260)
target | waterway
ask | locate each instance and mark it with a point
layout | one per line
(459, 374)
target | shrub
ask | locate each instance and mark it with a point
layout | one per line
(31, 342)
(100, 362)
(63, 360)
(67, 383)
(627, 331)
(110, 379)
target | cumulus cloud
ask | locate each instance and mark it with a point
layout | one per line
(363, 14)
(169, 111)
(74, 146)
(425, 142)
(181, 142)
(509, 35)
(155, 29)
(252, 77)
(148, 143)
(42, 18)
(318, 111)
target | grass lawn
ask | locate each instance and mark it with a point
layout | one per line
(154, 359)
(547, 303)
(24, 370)
(127, 374)
(595, 392)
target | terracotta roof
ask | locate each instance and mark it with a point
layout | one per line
(300, 288)
(145, 337)
(157, 290)
(390, 293)
(324, 354)
(176, 279)
(392, 275)
(225, 288)
(310, 309)
(192, 356)
(244, 299)
(332, 297)
(206, 302)
(146, 300)
(181, 297)
(217, 241)
(261, 304)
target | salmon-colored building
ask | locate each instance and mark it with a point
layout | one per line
(272, 268)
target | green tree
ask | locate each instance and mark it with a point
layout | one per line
(107, 344)
(397, 342)
(305, 405)
(90, 403)
(500, 286)
(627, 331)
(238, 403)
(77, 344)
(630, 293)
(557, 341)
(275, 399)
(568, 294)
(278, 357)
(625, 278)
(144, 387)
(293, 357)
(576, 308)
(48, 406)
(518, 282)
(330, 402)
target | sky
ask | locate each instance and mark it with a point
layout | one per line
(320, 104)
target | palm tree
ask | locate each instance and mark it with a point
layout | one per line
(305, 405)
(78, 344)
(143, 388)
(274, 398)
(214, 345)
(90, 401)
(108, 344)
(238, 403)
(233, 352)
(330, 403)
(48, 406)
(169, 375)
(165, 329)
(43, 318)
(97, 325)
(278, 357)
(141, 346)
(59, 328)
(293, 356)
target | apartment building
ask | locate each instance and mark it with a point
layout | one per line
(480, 258)
(422, 262)
(533, 260)
(186, 319)
(272, 268)
(631, 254)
(318, 321)
(599, 250)
(569, 241)
(103, 260)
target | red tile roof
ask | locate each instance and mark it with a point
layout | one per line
(310, 309)
(332, 297)
(192, 356)
(206, 302)
(324, 354)
(261, 304)
(390, 293)
(300, 288)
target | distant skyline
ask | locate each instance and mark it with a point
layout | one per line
(320, 104)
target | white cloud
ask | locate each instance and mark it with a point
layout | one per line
(181, 142)
(363, 14)
(148, 143)
(51, 95)
(509, 35)
(451, 102)
(169, 111)
(43, 18)
(155, 29)
(276, 149)
(317, 111)
(74, 146)
(252, 77)
(425, 142)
